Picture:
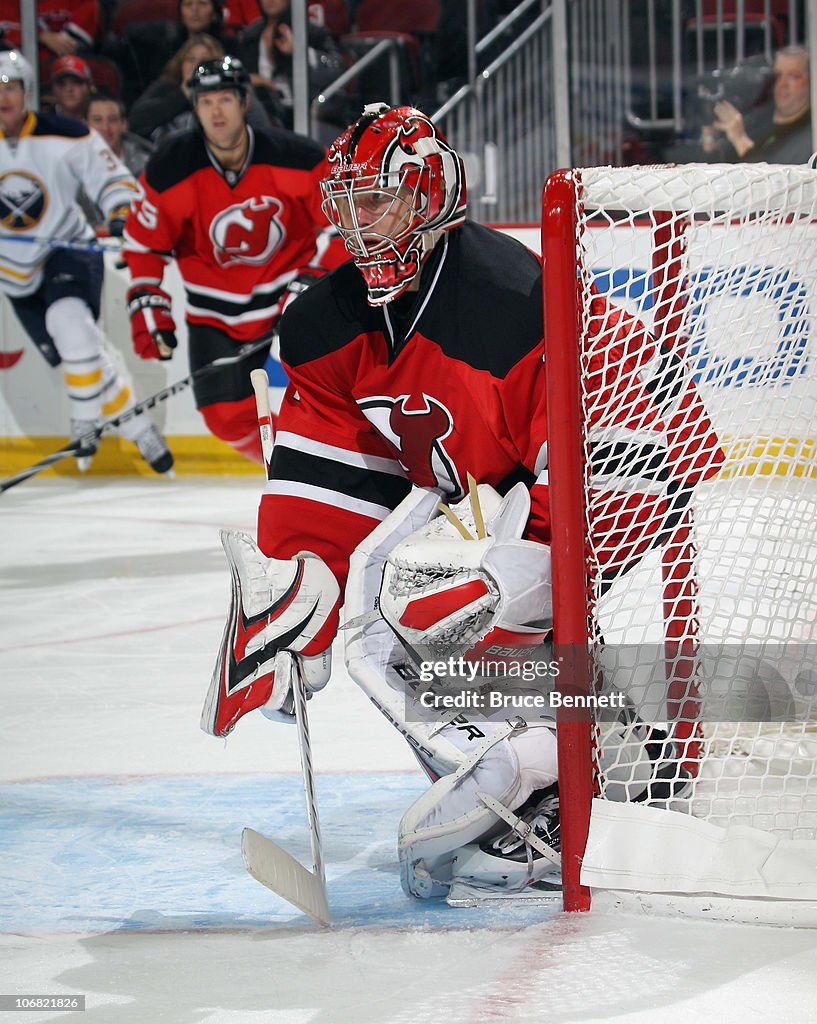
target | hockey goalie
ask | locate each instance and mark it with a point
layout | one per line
(414, 367)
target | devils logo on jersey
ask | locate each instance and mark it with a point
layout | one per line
(248, 232)
(416, 426)
(23, 201)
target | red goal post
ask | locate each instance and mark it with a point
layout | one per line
(719, 262)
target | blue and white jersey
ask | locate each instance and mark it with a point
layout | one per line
(41, 173)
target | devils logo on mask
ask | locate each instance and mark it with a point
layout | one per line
(248, 232)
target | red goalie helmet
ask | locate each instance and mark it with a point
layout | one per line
(394, 186)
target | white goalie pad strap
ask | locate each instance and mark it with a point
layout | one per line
(648, 849)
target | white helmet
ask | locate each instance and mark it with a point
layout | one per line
(15, 68)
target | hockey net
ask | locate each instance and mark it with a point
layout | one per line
(708, 621)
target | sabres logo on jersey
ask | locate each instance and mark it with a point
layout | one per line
(23, 200)
(417, 426)
(248, 232)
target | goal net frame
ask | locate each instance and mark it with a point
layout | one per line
(687, 194)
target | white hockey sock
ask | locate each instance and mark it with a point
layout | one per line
(96, 386)
(79, 343)
(117, 397)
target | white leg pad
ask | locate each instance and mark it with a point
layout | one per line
(451, 815)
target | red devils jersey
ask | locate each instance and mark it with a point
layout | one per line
(238, 238)
(439, 384)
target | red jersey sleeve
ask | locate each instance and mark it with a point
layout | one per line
(332, 478)
(151, 232)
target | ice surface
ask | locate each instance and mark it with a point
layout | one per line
(121, 876)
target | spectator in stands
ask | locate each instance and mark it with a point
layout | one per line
(782, 135)
(63, 26)
(71, 85)
(202, 17)
(266, 50)
(107, 115)
(165, 108)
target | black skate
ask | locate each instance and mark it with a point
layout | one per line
(518, 860)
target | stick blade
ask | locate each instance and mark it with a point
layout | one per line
(273, 867)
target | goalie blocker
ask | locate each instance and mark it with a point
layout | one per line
(280, 610)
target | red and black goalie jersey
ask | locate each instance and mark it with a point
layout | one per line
(424, 390)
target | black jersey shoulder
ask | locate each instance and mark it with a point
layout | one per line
(485, 308)
(181, 155)
(281, 148)
(333, 312)
(49, 123)
(175, 159)
(482, 296)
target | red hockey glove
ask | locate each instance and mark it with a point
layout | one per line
(151, 322)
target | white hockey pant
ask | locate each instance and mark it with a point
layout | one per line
(95, 387)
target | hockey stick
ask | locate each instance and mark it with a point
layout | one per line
(75, 245)
(94, 435)
(267, 862)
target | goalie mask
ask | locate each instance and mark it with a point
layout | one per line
(394, 186)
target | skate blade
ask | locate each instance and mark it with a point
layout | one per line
(461, 894)
(83, 462)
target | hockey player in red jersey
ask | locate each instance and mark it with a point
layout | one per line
(412, 369)
(239, 211)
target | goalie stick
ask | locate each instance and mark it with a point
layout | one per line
(93, 435)
(267, 862)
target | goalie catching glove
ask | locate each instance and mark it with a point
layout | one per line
(441, 594)
(151, 322)
(282, 619)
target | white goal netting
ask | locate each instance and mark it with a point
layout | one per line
(713, 630)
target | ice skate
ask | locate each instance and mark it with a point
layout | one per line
(85, 453)
(154, 450)
(510, 863)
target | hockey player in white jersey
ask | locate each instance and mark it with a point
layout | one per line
(55, 292)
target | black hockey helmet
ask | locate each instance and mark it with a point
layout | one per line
(219, 73)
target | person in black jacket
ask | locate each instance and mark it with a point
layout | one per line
(266, 50)
(781, 135)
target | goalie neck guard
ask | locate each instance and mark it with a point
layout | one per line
(394, 186)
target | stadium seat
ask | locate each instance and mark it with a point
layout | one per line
(333, 15)
(415, 26)
(133, 11)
